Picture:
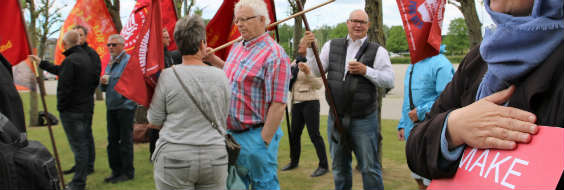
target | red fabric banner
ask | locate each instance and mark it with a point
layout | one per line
(143, 41)
(536, 165)
(14, 43)
(93, 15)
(422, 22)
(221, 28)
(169, 19)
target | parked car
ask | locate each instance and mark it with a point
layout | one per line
(49, 76)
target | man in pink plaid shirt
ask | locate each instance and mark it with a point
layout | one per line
(259, 74)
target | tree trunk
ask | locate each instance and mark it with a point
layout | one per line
(298, 33)
(375, 31)
(113, 8)
(376, 34)
(33, 112)
(468, 9)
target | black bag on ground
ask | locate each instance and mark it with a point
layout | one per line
(47, 118)
(24, 164)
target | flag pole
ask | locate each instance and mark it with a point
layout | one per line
(273, 24)
(342, 131)
(41, 84)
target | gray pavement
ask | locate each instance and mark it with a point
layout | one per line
(391, 107)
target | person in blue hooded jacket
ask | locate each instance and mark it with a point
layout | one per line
(428, 79)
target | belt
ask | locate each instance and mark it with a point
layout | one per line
(249, 127)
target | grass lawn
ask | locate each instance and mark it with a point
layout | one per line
(395, 170)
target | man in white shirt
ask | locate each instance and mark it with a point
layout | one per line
(355, 69)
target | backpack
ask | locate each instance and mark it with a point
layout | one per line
(24, 164)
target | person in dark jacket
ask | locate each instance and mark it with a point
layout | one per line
(120, 112)
(10, 101)
(170, 58)
(78, 79)
(95, 59)
(502, 91)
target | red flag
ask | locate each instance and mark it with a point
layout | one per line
(143, 41)
(169, 20)
(221, 28)
(93, 15)
(14, 44)
(422, 21)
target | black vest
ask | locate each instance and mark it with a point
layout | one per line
(355, 95)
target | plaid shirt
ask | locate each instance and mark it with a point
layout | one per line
(259, 74)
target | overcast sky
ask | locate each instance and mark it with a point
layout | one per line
(330, 14)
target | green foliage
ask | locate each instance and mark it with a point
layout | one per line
(386, 30)
(457, 40)
(286, 33)
(400, 60)
(396, 41)
(340, 31)
(407, 60)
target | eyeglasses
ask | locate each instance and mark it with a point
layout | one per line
(356, 21)
(237, 20)
(113, 44)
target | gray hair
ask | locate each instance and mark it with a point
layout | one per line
(189, 32)
(258, 6)
(71, 38)
(116, 36)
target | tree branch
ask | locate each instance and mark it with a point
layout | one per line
(456, 3)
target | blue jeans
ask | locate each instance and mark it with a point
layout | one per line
(260, 161)
(77, 126)
(364, 134)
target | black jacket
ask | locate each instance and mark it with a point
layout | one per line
(94, 57)
(78, 79)
(10, 101)
(172, 58)
(541, 92)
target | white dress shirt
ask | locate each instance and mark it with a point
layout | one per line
(380, 74)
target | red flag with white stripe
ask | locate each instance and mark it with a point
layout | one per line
(422, 22)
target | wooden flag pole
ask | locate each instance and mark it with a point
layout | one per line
(342, 131)
(41, 85)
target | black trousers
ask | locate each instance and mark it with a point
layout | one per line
(153, 137)
(120, 141)
(306, 113)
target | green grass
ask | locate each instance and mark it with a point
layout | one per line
(395, 170)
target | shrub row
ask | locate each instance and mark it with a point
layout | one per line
(456, 59)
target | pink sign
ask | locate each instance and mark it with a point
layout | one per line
(537, 165)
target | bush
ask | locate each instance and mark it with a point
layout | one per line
(456, 59)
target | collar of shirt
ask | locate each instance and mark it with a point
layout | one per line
(356, 42)
(352, 48)
(114, 59)
(251, 43)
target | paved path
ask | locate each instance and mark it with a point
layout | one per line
(391, 108)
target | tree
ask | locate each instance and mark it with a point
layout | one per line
(113, 8)
(286, 33)
(396, 41)
(339, 31)
(43, 18)
(298, 28)
(375, 32)
(457, 38)
(374, 10)
(468, 9)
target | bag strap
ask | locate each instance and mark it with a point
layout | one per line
(214, 125)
